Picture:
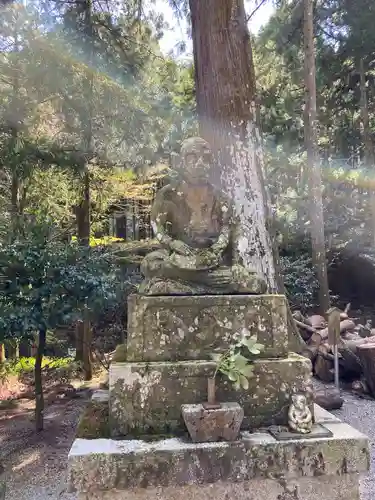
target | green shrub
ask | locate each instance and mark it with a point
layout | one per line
(300, 281)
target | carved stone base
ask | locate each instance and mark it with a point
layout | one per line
(256, 467)
(179, 328)
(146, 397)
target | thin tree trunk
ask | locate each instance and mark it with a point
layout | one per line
(79, 341)
(39, 399)
(15, 106)
(13, 349)
(2, 354)
(311, 142)
(367, 142)
(87, 339)
(84, 328)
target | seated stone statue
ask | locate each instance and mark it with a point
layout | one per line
(193, 222)
(299, 415)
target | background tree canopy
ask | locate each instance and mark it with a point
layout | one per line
(89, 105)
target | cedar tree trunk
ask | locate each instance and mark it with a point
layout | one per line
(226, 104)
(313, 162)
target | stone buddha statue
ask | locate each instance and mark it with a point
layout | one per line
(193, 222)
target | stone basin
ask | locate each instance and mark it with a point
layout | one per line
(214, 424)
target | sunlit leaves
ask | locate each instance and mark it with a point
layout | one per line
(45, 283)
(236, 362)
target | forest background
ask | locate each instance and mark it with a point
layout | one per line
(91, 114)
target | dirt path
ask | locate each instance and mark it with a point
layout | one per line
(35, 464)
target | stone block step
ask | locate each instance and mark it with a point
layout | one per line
(180, 328)
(147, 397)
(134, 469)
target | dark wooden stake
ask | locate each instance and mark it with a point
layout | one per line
(211, 395)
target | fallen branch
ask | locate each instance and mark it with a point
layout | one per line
(308, 328)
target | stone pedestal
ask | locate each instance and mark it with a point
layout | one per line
(169, 346)
(166, 364)
(146, 398)
(256, 467)
(180, 328)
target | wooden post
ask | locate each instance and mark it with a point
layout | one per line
(333, 315)
(366, 354)
(211, 395)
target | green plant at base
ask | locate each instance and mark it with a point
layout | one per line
(236, 362)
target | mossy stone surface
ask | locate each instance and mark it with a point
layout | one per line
(147, 397)
(109, 464)
(94, 421)
(180, 328)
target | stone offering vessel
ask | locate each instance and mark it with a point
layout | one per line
(214, 421)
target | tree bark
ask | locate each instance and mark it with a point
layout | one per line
(79, 340)
(13, 349)
(84, 329)
(39, 399)
(226, 105)
(366, 354)
(225, 90)
(313, 162)
(2, 354)
(87, 339)
(367, 141)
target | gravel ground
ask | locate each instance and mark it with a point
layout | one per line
(360, 413)
(37, 472)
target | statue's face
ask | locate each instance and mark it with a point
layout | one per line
(299, 401)
(197, 158)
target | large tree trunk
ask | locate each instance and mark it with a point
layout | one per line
(313, 162)
(225, 89)
(226, 104)
(39, 398)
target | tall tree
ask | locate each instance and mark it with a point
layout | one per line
(225, 90)
(226, 106)
(368, 156)
(313, 161)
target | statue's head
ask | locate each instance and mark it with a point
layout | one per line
(197, 158)
(299, 401)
